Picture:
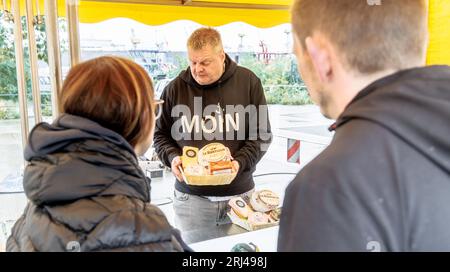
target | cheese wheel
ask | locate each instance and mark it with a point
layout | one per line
(264, 200)
(269, 198)
(275, 214)
(212, 153)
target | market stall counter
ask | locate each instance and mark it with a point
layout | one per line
(264, 239)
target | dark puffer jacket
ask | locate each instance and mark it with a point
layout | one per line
(87, 193)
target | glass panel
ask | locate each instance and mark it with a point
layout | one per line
(12, 198)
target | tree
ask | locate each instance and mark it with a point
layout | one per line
(8, 82)
(280, 78)
(8, 79)
(180, 62)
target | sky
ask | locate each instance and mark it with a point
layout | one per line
(118, 34)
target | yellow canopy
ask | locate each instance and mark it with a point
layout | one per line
(263, 13)
(260, 13)
(439, 28)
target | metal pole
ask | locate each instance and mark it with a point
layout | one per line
(21, 86)
(33, 63)
(54, 54)
(38, 8)
(73, 28)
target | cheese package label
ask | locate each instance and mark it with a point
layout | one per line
(190, 156)
(221, 167)
(212, 153)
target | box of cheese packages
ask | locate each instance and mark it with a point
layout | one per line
(210, 165)
(261, 211)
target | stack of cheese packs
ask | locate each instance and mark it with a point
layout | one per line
(210, 165)
(262, 211)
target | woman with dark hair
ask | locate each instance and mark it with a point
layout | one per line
(85, 188)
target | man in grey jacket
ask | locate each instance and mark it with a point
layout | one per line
(383, 183)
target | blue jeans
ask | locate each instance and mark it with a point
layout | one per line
(196, 212)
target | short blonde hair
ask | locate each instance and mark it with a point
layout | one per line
(114, 92)
(371, 38)
(204, 36)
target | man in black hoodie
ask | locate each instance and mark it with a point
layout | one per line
(383, 183)
(214, 100)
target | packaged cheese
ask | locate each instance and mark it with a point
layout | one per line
(239, 207)
(220, 167)
(246, 216)
(275, 214)
(264, 201)
(190, 156)
(195, 170)
(214, 152)
(258, 218)
(210, 165)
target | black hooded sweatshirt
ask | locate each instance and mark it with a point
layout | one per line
(87, 193)
(237, 89)
(384, 181)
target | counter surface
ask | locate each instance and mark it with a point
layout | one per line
(266, 240)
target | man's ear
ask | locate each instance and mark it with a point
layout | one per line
(320, 58)
(222, 54)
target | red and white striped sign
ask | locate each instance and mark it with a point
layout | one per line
(293, 150)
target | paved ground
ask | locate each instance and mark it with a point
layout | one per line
(299, 122)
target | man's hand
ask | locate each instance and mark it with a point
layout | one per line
(235, 166)
(176, 162)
